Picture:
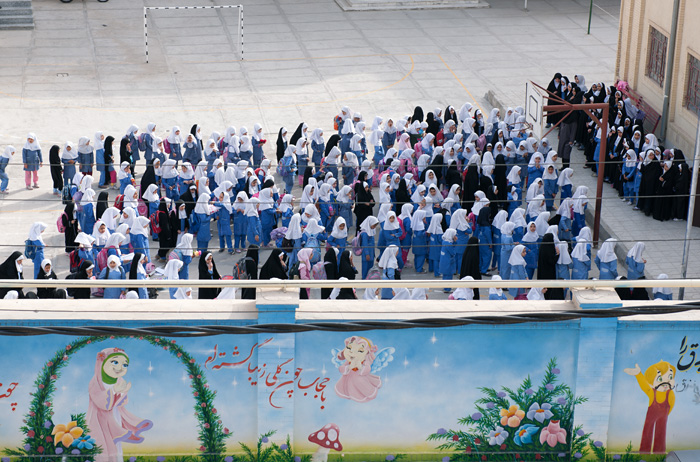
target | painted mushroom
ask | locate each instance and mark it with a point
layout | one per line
(327, 438)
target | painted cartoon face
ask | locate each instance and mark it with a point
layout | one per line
(116, 366)
(664, 382)
(355, 352)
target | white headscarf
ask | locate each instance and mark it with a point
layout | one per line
(516, 256)
(580, 251)
(367, 224)
(464, 293)
(435, 227)
(33, 146)
(251, 209)
(141, 226)
(312, 227)
(606, 253)
(580, 199)
(337, 232)
(35, 231)
(388, 224)
(383, 212)
(564, 257)
(663, 290)
(542, 223)
(636, 251)
(129, 199)
(388, 258)
(100, 238)
(172, 269)
(517, 218)
(151, 194)
(97, 141)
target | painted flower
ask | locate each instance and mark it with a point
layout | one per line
(578, 455)
(84, 442)
(512, 416)
(562, 401)
(228, 459)
(529, 392)
(497, 436)
(490, 405)
(284, 447)
(524, 434)
(441, 431)
(598, 444)
(265, 439)
(580, 433)
(297, 459)
(549, 387)
(477, 416)
(66, 434)
(501, 394)
(617, 457)
(390, 457)
(446, 459)
(556, 371)
(553, 434)
(540, 413)
(160, 459)
(59, 451)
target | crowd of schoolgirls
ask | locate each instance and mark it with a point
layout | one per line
(453, 193)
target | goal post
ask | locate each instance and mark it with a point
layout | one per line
(146, 9)
(534, 102)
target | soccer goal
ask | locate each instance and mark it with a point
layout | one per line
(146, 9)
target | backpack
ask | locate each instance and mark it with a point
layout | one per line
(294, 271)
(142, 208)
(119, 202)
(142, 141)
(29, 249)
(102, 257)
(166, 145)
(195, 223)
(356, 247)
(374, 273)
(59, 222)
(285, 168)
(71, 291)
(313, 244)
(239, 269)
(375, 178)
(318, 271)
(65, 195)
(175, 255)
(77, 197)
(74, 261)
(155, 226)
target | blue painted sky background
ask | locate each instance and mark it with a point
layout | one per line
(432, 381)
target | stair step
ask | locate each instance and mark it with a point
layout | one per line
(15, 4)
(16, 12)
(15, 19)
(29, 26)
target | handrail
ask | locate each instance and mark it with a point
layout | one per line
(379, 283)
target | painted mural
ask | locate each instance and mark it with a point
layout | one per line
(457, 394)
(656, 392)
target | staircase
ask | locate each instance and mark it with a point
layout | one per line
(16, 15)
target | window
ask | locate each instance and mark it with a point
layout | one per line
(692, 89)
(656, 61)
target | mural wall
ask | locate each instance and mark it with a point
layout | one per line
(473, 393)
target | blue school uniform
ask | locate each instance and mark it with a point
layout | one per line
(223, 227)
(124, 182)
(204, 231)
(608, 270)
(388, 139)
(140, 244)
(111, 274)
(184, 272)
(485, 241)
(462, 240)
(447, 266)
(345, 211)
(420, 249)
(86, 160)
(496, 239)
(193, 154)
(378, 154)
(338, 243)
(32, 158)
(579, 221)
(388, 274)
(38, 256)
(407, 237)
(635, 270)
(580, 268)
(498, 297)
(635, 188)
(327, 214)
(662, 296)
(390, 237)
(147, 147)
(86, 219)
(254, 230)
(533, 173)
(531, 257)
(344, 144)
(176, 151)
(143, 293)
(517, 272)
(268, 220)
(172, 191)
(435, 244)
(257, 152)
(628, 185)
(317, 151)
(368, 253)
(518, 233)
(68, 170)
(286, 217)
(134, 143)
(3, 175)
(507, 247)
(565, 229)
(566, 192)
(550, 192)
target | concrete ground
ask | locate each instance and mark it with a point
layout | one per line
(83, 69)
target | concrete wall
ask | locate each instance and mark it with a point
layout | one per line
(426, 394)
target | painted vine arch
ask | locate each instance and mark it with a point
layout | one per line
(38, 424)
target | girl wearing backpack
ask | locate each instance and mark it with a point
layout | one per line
(325, 205)
(312, 237)
(174, 143)
(86, 217)
(202, 216)
(368, 230)
(287, 168)
(286, 209)
(223, 222)
(114, 271)
(153, 201)
(35, 246)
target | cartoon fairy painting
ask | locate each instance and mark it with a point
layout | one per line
(109, 421)
(357, 363)
(657, 383)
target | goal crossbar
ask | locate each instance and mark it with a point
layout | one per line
(147, 8)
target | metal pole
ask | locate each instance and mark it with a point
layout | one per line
(525, 7)
(668, 79)
(691, 211)
(601, 175)
(590, 15)
(145, 31)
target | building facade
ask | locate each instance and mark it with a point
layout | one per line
(644, 48)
